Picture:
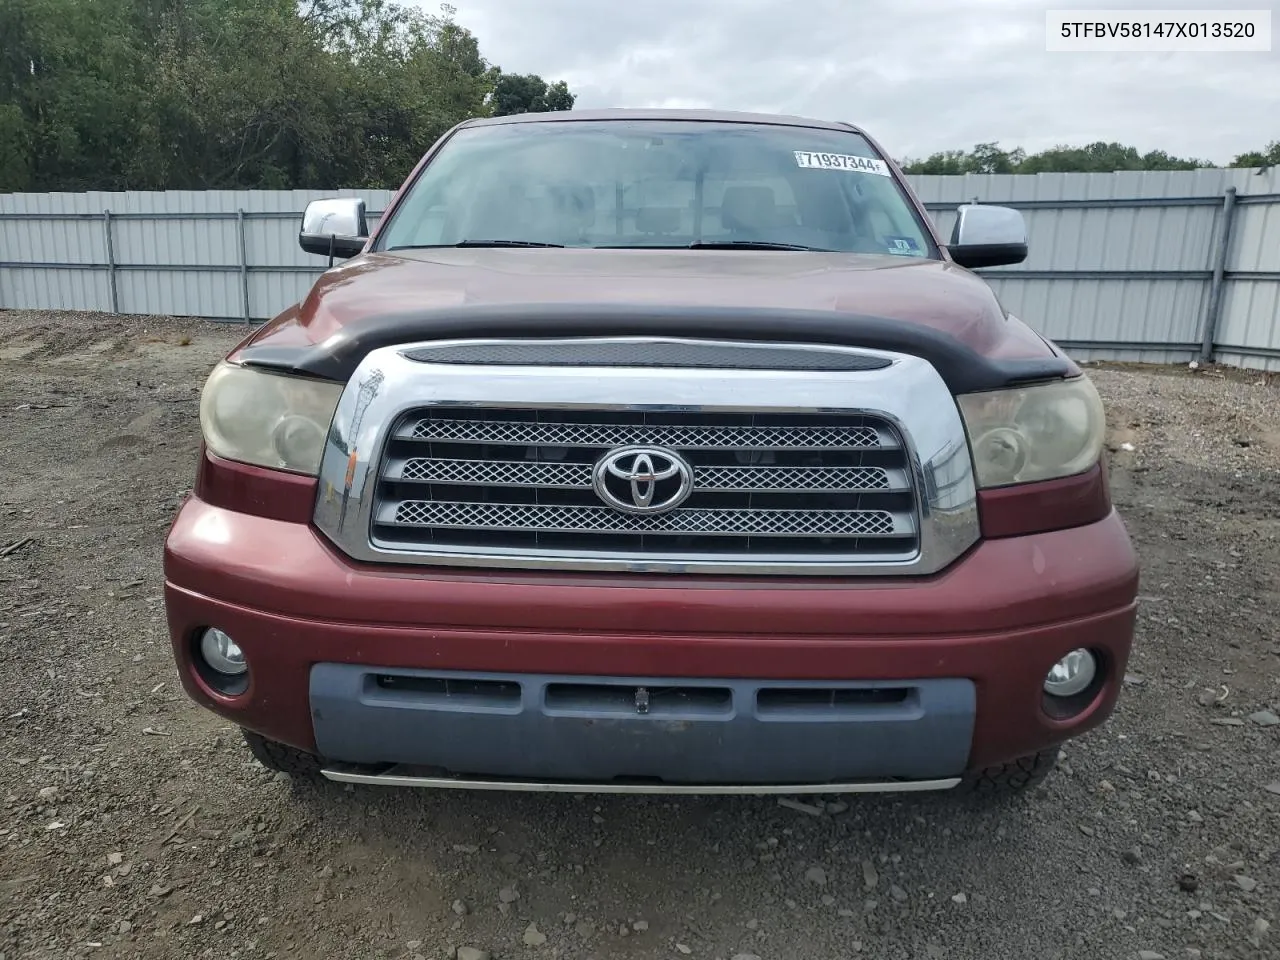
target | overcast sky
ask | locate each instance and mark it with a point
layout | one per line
(919, 75)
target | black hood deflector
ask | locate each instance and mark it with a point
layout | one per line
(962, 368)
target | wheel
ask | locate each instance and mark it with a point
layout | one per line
(298, 764)
(1010, 779)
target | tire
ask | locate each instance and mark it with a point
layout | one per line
(1017, 777)
(302, 767)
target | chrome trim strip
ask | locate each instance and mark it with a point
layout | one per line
(391, 779)
(644, 352)
(649, 341)
(909, 394)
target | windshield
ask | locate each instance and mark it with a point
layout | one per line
(650, 183)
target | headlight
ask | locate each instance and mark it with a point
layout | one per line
(267, 419)
(1034, 433)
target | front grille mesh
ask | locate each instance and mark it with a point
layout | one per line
(680, 436)
(604, 520)
(787, 486)
(498, 472)
(534, 474)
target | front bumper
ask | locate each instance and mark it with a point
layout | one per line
(567, 727)
(970, 647)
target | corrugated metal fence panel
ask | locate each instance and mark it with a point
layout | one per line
(1077, 312)
(271, 241)
(1174, 239)
(28, 289)
(160, 241)
(185, 259)
(55, 241)
(1251, 307)
(75, 244)
(1095, 237)
(164, 245)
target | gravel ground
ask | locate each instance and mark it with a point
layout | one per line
(136, 825)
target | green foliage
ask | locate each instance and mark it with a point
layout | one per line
(15, 148)
(1092, 158)
(221, 94)
(1265, 158)
(528, 93)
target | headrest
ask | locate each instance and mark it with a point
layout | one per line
(575, 200)
(658, 219)
(748, 208)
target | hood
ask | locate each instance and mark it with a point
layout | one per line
(929, 293)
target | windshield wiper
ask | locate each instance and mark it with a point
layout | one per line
(477, 243)
(751, 245)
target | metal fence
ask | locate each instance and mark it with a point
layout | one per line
(1148, 266)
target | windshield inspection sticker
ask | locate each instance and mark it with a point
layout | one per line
(906, 246)
(841, 161)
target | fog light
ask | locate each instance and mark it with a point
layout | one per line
(1072, 674)
(221, 653)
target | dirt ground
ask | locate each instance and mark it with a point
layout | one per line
(135, 825)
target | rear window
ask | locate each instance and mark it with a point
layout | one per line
(649, 183)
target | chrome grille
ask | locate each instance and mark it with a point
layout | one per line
(797, 486)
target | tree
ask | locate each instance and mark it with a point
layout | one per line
(989, 158)
(1096, 157)
(1268, 157)
(949, 163)
(15, 148)
(558, 97)
(528, 93)
(1102, 157)
(200, 94)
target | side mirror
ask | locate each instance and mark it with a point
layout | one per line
(334, 228)
(988, 236)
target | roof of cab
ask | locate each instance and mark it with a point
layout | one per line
(664, 113)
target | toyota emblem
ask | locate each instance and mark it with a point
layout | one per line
(643, 480)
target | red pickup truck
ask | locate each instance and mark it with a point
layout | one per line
(653, 451)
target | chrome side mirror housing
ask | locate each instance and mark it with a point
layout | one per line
(334, 228)
(988, 236)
